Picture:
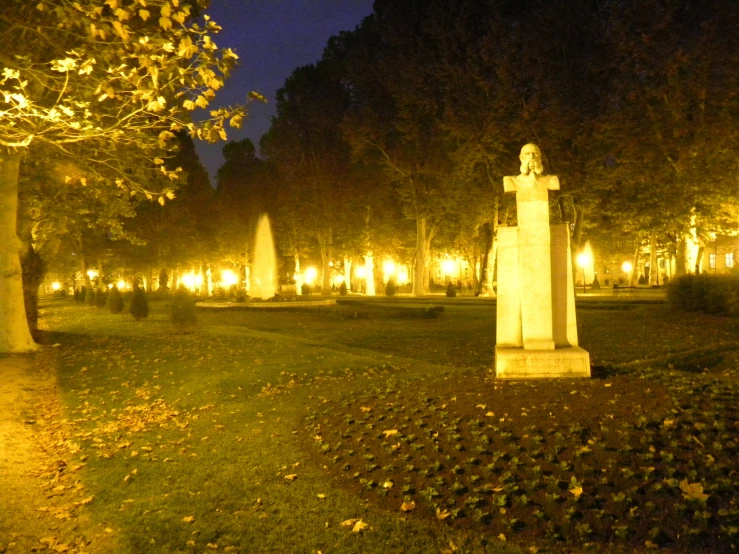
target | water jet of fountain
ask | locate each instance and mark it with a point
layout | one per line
(263, 275)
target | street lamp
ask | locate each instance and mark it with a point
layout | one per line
(626, 267)
(583, 260)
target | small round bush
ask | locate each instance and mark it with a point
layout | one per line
(115, 301)
(451, 290)
(342, 289)
(305, 289)
(139, 307)
(390, 288)
(182, 312)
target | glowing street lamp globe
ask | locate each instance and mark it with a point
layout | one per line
(584, 260)
(447, 266)
(310, 275)
(228, 278)
(361, 272)
(626, 267)
(56, 285)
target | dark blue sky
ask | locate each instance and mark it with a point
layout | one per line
(271, 38)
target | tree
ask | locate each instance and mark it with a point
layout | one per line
(97, 75)
(306, 142)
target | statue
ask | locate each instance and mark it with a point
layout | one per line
(536, 333)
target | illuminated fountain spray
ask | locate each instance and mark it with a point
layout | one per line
(263, 277)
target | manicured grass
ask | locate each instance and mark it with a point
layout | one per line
(264, 431)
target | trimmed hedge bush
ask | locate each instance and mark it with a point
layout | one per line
(115, 301)
(342, 289)
(182, 312)
(139, 307)
(101, 298)
(390, 288)
(451, 290)
(711, 294)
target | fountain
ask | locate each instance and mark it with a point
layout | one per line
(263, 278)
(263, 275)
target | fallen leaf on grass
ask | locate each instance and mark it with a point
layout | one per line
(490, 414)
(576, 491)
(502, 537)
(481, 406)
(188, 519)
(408, 506)
(359, 526)
(388, 485)
(291, 477)
(390, 432)
(692, 491)
(321, 496)
(365, 408)
(441, 515)
(350, 522)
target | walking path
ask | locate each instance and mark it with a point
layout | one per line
(40, 495)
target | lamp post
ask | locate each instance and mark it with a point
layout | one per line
(583, 260)
(626, 267)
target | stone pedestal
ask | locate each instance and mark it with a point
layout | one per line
(560, 363)
(548, 299)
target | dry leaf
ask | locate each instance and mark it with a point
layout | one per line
(490, 414)
(576, 491)
(441, 515)
(365, 408)
(388, 485)
(481, 406)
(291, 477)
(321, 496)
(390, 432)
(692, 491)
(502, 537)
(350, 522)
(408, 506)
(188, 519)
(359, 526)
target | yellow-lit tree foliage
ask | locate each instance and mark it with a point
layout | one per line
(96, 73)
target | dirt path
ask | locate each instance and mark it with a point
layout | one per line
(41, 498)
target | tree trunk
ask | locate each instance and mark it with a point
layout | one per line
(369, 274)
(419, 271)
(15, 335)
(326, 253)
(653, 269)
(635, 264)
(699, 259)
(681, 256)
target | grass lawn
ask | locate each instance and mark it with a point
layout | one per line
(353, 429)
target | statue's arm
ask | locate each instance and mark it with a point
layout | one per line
(553, 183)
(509, 184)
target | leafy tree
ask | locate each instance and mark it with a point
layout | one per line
(306, 142)
(115, 301)
(96, 75)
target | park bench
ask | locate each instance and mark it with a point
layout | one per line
(620, 289)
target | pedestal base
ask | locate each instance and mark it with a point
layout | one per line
(563, 363)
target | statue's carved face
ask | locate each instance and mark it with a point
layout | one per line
(531, 160)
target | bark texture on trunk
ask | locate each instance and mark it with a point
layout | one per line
(419, 271)
(653, 269)
(15, 335)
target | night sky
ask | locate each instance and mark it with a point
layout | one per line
(271, 38)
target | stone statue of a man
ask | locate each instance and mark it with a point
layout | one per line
(536, 333)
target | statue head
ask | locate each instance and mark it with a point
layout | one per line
(530, 157)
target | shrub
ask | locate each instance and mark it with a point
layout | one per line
(101, 298)
(712, 294)
(390, 288)
(90, 296)
(342, 289)
(139, 307)
(76, 295)
(115, 301)
(305, 289)
(182, 311)
(451, 290)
